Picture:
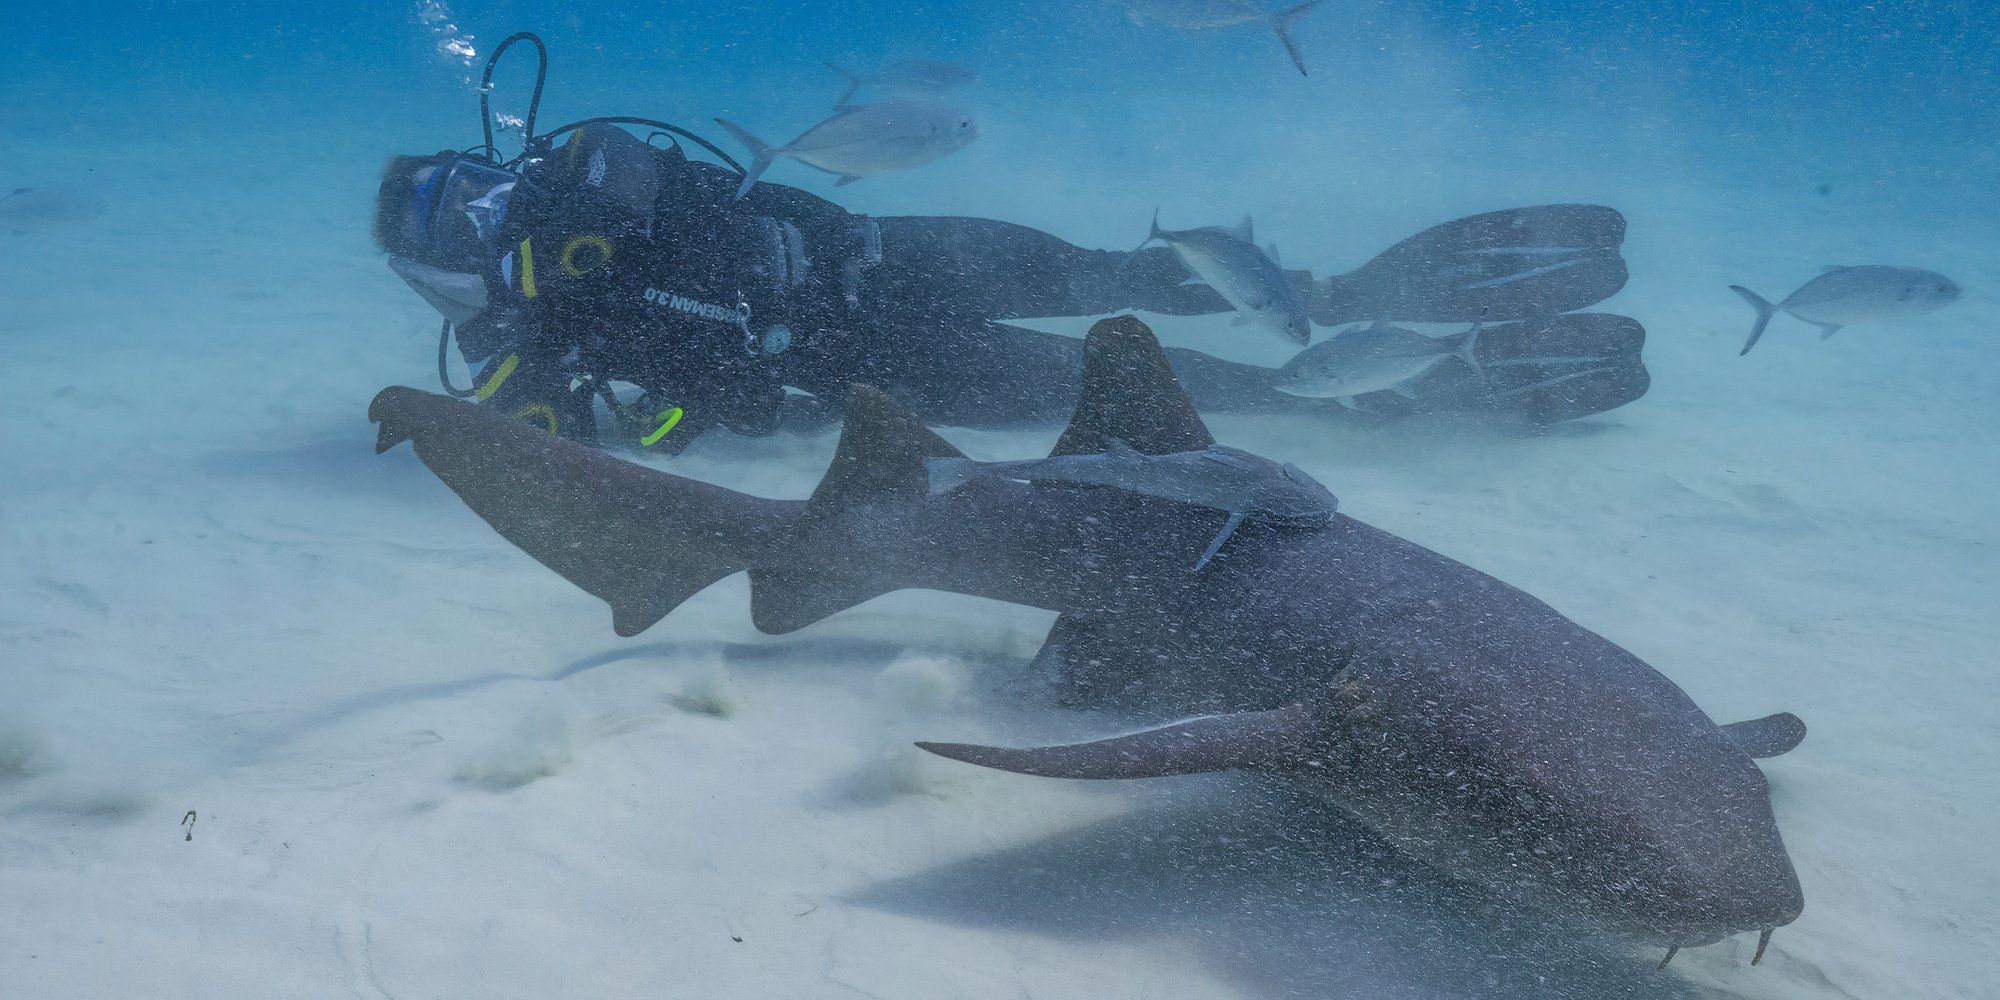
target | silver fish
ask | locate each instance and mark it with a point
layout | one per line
(1207, 15)
(32, 208)
(862, 140)
(1378, 358)
(456, 295)
(906, 78)
(1846, 296)
(1220, 478)
(1249, 279)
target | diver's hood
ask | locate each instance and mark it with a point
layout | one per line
(455, 295)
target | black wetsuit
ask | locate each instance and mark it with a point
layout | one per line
(623, 262)
(656, 275)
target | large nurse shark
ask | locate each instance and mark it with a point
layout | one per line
(1473, 725)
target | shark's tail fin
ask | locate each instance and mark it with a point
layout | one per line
(881, 457)
(1765, 311)
(1281, 22)
(643, 541)
(762, 155)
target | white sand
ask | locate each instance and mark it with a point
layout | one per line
(423, 766)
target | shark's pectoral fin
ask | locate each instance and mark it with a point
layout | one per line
(1210, 743)
(1827, 329)
(1228, 528)
(1767, 737)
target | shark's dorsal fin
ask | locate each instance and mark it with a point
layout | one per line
(881, 452)
(1130, 394)
(880, 456)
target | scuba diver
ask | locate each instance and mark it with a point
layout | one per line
(598, 275)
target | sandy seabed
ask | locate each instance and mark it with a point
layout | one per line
(418, 764)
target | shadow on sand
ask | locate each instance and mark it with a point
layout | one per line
(1285, 897)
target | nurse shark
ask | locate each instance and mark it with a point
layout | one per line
(1476, 727)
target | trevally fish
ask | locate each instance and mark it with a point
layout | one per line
(862, 140)
(1217, 477)
(32, 208)
(906, 78)
(1377, 358)
(1846, 296)
(1207, 15)
(1249, 279)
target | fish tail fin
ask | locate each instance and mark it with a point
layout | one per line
(642, 540)
(1152, 233)
(854, 82)
(948, 473)
(762, 155)
(1468, 348)
(881, 457)
(1765, 311)
(1281, 22)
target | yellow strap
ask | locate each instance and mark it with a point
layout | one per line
(493, 384)
(602, 245)
(527, 269)
(671, 417)
(539, 410)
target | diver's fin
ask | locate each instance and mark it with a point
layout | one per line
(1765, 311)
(1769, 736)
(1195, 746)
(1542, 260)
(641, 540)
(1281, 22)
(1228, 528)
(762, 155)
(1827, 329)
(880, 456)
(1130, 393)
(854, 82)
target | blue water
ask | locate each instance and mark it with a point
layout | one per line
(424, 766)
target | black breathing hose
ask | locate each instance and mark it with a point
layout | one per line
(444, 368)
(534, 100)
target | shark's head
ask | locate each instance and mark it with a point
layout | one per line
(1584, 785)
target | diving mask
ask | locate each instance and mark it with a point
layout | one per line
(460, 203)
